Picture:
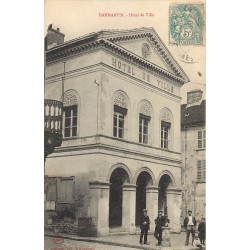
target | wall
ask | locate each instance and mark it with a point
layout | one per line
(193, 193)
(113, 80)
(89, 157)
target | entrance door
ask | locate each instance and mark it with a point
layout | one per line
(117, 179)
(144, 179)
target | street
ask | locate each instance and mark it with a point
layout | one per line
(65, 244)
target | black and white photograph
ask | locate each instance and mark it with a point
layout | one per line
(125, 125)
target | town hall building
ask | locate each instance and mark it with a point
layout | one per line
(121, 149)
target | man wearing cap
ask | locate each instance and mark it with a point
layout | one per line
(190, 224)
(159, 223)
(144, 225)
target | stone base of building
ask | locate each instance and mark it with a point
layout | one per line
(99, 232)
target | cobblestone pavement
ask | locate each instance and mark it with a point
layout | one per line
(132, 241)
(65, 244)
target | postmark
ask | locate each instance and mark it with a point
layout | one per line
(185, 54)
(186, 24)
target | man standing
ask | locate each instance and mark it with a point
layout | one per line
(159, 223)
(144, 225)
(202, 231)
(190, 224)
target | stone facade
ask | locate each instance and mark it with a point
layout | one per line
(193, 148)
(116, 176)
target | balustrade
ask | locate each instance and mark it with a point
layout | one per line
(52, 125)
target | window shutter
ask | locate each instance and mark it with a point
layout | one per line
(204, 170)
(204, 138)
(51, 193)
(199, 171)
(200, 139)
(66, 190)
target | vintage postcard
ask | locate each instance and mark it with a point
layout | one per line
(125, 124)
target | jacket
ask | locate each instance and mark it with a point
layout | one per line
(187, 219)
(160, 222)
(142, 220)
(202, 228)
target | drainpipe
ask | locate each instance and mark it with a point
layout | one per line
(97, 110)
(185, 170)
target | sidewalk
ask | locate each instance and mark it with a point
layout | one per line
(130, 241)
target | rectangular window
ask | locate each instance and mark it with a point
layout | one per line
(165, 126)
(70, 121)
(66, 190)
(201, 170)
(202, 138)
(143, 129)
(118, 121)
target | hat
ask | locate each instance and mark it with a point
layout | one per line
(189, 211)
(144, 210)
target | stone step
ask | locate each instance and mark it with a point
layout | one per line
(118, 233)
(116, 229)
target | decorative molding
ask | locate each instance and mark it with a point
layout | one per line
(61, 52)
(121, 100)
(130, 153)
(175, 191)
(146, 52)
(70, 98)
(145, 108)
(166, 115)
(99, 185)
(168, 173)
(151, 174)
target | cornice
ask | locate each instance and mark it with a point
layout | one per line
(193, 125)
(109, 70)
(102, 146)
(157, 44)
(74, 49)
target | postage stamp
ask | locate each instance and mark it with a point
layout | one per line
(186, 24)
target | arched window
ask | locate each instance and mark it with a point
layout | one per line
(120, 112)
(70, 113)
(166, 123)
(145, 114)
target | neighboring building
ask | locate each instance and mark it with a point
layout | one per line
(193, 140)
(121, 129)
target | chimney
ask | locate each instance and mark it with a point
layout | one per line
(54, 37)
(194, 96)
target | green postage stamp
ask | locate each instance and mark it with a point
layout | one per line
(186, 24)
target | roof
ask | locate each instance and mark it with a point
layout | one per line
(192, 116)
(112, 38)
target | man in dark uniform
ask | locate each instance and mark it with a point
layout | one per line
(202, 231)
(190, 224)
(159, 223)
(144, 225)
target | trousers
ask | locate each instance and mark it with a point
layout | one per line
(202, 238)
(158, 234)
(190, 229)
(145, 233)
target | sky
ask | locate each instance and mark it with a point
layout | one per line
(77, 18)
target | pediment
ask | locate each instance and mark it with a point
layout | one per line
(146, 44)
(144, 48)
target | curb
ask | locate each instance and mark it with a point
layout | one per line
(114, 243)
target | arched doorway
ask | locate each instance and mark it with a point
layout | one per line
(143, 180)
(164, 183)
(118, 177)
